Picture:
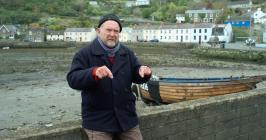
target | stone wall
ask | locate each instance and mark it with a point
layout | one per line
(230, 117)
(240, 116)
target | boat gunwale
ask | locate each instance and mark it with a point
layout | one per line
(245, 80)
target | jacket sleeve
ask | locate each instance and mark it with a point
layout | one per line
(135, 66)
(80, 75)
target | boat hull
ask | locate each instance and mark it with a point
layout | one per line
(172, 91)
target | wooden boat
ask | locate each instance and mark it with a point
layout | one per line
(172, 90)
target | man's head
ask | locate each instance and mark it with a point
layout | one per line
(108, 29)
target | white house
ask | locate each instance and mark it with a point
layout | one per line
(203, 15)
(183, 33)
(264, 37)
(79, 34)
(55, 35)
(8, 31)
(224, 32)
(93, 2)
(142, 2)
(259, 16)
(180, 18)
(130, 3)
(127, 35)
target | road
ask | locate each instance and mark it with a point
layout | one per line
(242, 46)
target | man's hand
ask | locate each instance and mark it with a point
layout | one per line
(103, 71)
(144, 70)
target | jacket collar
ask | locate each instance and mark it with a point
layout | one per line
(98, 50)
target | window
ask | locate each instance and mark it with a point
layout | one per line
(176, 37)
(199, 30)
(205, 30)
(195, 37)
(195, 31)
(205, 37)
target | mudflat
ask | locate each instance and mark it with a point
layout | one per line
(34, 92)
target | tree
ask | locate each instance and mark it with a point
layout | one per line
(171, 12)
(201, 16)
(146, 12)
(209, 5)
(187, 19)
(223, 16)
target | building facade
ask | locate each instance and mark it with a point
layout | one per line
(239, 21)
(182, 33)
(35, 35)
(8, 31)
(259, 16)
(79, 34)
(180, 18)
(203, 15)
(55, 36)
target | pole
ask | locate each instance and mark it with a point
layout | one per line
(250, 20)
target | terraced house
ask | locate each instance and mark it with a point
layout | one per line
(79, 34)
(203, 15)
(184, 33)
(55, 35)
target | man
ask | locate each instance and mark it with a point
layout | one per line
(104, 71)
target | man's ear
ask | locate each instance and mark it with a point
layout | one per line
(97, 30)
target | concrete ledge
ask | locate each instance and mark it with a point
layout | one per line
(235, 116)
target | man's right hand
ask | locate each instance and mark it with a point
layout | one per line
(103, 71)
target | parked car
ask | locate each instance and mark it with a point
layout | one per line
(250, 42)
(154, 40)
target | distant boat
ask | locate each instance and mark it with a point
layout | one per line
(172, 90)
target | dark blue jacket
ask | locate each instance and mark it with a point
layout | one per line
(108, 104)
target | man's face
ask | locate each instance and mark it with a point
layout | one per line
(109, 33)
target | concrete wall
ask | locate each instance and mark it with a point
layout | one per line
(240, 116)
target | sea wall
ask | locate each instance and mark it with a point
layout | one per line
(240, 116)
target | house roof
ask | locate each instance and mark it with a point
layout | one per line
(10, 28)
(177, 26)
(50, 32)
(243, 17)
(180, 15)
(202, 11)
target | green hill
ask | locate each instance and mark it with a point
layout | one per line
(59, 14)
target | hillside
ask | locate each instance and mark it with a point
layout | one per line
(60, 14)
